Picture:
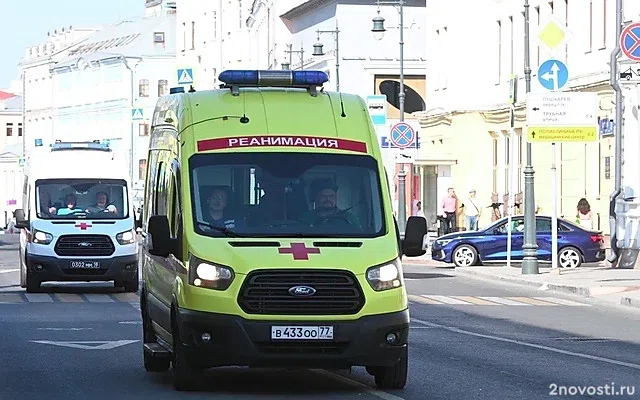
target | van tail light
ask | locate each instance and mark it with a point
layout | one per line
(597, 239)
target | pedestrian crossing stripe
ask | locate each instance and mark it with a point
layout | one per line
(16, 298)
(492, 301)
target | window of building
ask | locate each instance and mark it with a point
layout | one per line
(184, 36)
(519, 155)
(193, 35)
(20, 129)
(142, 169)
(511, 46)
(590, 46)
(143, 88)
(143, 129)
(604, 25)
(537, 27)
(507, 162)
(566, 23)
(495, 164)
(163, 84)
(499, 42)
(158, 37)
(9, 129)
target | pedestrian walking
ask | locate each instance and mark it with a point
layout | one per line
(449, 210)
(472, 211)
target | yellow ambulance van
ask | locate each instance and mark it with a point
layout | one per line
(269, 236)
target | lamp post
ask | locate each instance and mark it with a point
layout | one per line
(378, 33)
(530, 247)
(317, 51)
(287, 65)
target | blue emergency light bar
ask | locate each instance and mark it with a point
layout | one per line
(94, 145)
(305, 78)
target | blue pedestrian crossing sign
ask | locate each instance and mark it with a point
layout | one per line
(553, 74)
(185, 76)
(402, 135)
(137, 114)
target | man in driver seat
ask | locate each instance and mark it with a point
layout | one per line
(326, 211)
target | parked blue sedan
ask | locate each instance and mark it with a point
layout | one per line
(576, 245)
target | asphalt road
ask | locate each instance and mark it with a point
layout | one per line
(469, 340)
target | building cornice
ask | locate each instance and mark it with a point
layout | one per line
(305, 8)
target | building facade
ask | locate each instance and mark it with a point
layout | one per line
(358, 62)
(11, 136)
(467, 140)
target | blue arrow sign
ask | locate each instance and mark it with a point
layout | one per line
(630, 41)
(402, 135)
(185, 76)
(553, 74)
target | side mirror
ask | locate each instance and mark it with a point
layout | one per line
(415, 231)
(158, 241)
(21, 219)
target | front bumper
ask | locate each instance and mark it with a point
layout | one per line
(47, 268)
(438, 254)
(236, 341)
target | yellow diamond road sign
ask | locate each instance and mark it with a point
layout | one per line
(553, 34)
(562, 117)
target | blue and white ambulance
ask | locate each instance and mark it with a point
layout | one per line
(78, 221)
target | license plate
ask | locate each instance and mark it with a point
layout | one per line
(301, 332)
(85, 264)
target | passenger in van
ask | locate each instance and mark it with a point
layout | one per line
(325, 195)
(102, 204)
(218, 209)
(70, 201)
(46, 208)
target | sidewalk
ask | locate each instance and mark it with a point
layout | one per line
(610, 285)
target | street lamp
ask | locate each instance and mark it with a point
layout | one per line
(290, 52)
(317, 51)
(378, 33)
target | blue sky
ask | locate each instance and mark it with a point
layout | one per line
(25, 23)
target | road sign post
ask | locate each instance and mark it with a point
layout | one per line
(377, 105)
(137, 114)
(402, 135)
(630, 41)
(185, 76)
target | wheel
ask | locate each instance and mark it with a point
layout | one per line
(151, 364)
(394, 377)
(131, 286)
(569, 257)
(464, 256)
(186, 375)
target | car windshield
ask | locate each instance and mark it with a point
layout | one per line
(82, 198)
(286, 195)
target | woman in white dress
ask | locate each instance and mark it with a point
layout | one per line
(584, 216)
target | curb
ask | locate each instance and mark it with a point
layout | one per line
(508, 279)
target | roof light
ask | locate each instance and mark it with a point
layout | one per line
(273, 78)
(59, 145)
(178, 89)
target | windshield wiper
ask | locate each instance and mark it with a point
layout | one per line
(227, 232)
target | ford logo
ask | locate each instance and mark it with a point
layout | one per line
(302, 291)
(84, 244)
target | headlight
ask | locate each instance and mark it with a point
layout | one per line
(385, 277)
(42, 237)
(444, 242)
(209, 275)
(126, 237)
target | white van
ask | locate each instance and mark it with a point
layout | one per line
(78, 223)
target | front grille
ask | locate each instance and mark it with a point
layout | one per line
(302, 348)
(84, 245)
(267, 292)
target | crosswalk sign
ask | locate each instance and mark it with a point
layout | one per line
(137, 114)
(185, 76)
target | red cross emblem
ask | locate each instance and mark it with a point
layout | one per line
(83, 226)
(299, 250)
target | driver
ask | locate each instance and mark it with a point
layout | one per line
(325, 195)
(102, 204)
(218, 214)
(70, 200)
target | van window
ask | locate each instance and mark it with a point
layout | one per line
(82, 198)
(280, 194)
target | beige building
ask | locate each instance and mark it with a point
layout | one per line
(466, 128)
(10, 152)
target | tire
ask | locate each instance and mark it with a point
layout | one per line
(151, 364)
(395, 376)
(569, 257)
(464, 256)
(131, 286)
(186, 376)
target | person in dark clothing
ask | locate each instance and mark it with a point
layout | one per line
(217, 211)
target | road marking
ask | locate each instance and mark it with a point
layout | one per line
(351, 382)
(64, 329)
(135, 305)
(126, 297)
(527, 344)
(476, 300)
(446, 299)
(422, 300)
(39, 298)
(563, 302)
(532, 301)
(6, 271)
(503, 301)
(69, 297)
(98, 298)
(131, 322)
(10, 298)
(89, 344)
